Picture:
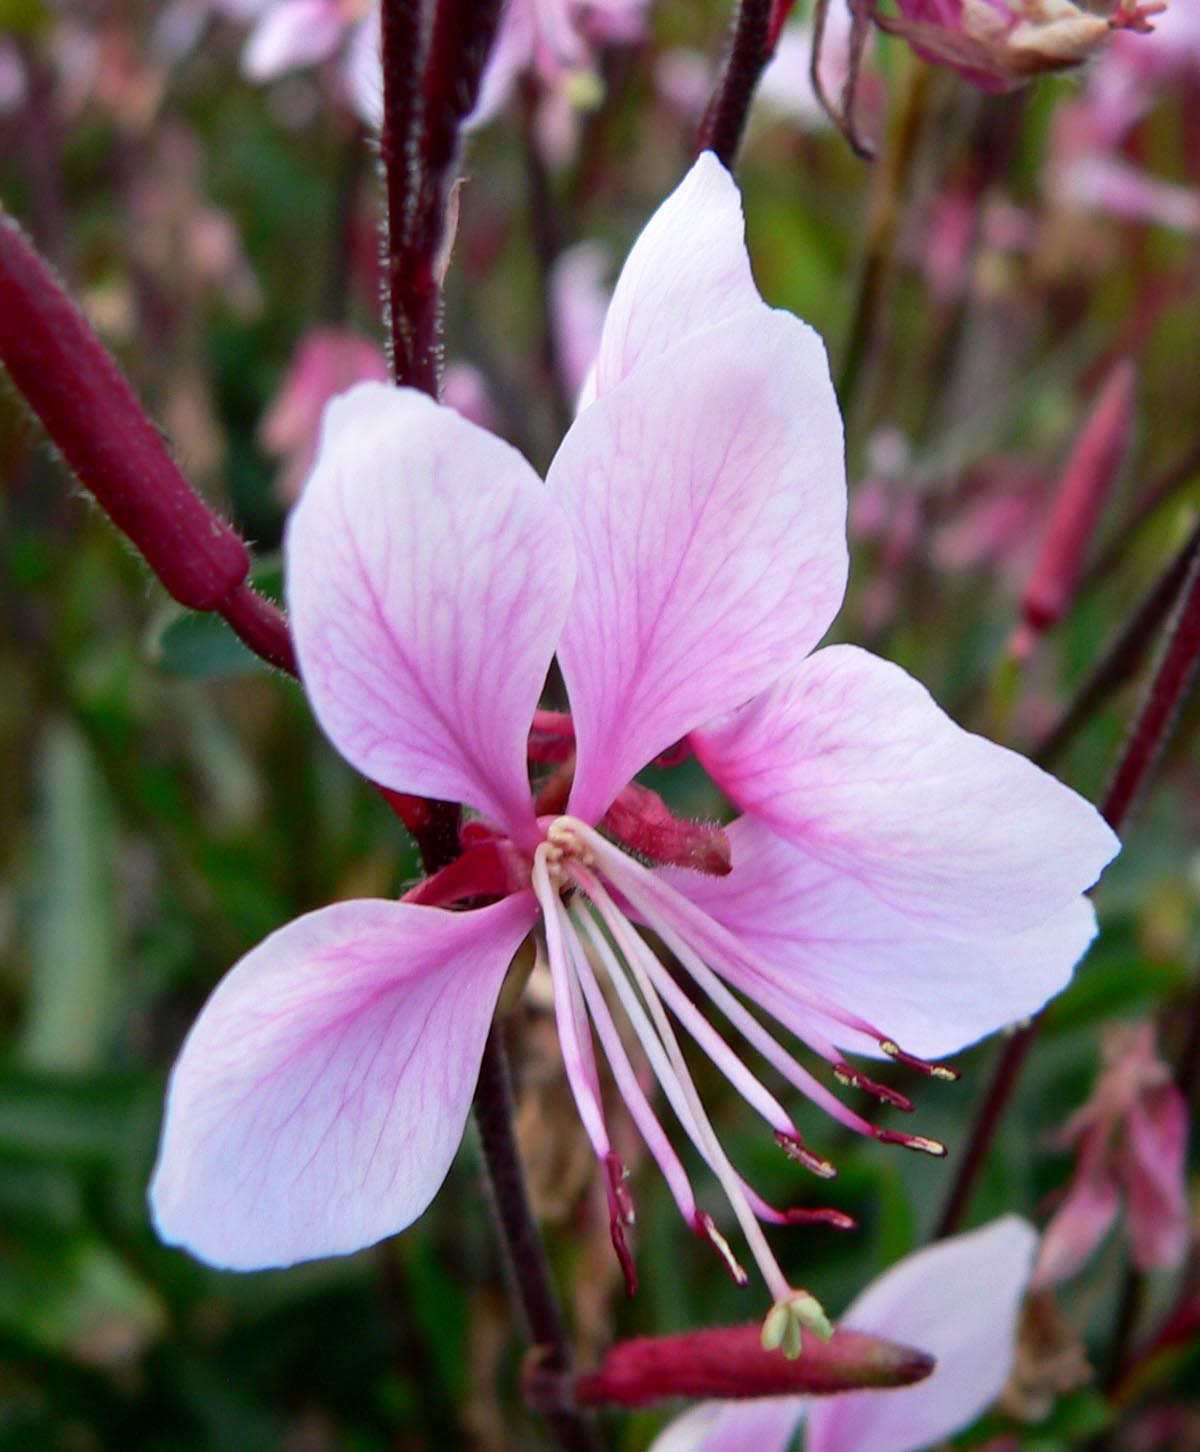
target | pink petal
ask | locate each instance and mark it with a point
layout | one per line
(852, 759)
(1079, 1225)
(290, 35)
(687, 272)
(428, 577)
(931, 993)
(959, 1300)
(321, 1094)
(757, 1426)
(1153, 1167)
(708, 499)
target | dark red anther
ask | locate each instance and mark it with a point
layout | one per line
(823, 1215)
(922, 1066)
(844, 1074)
(86, 405)
(706, 1229)
(620, 1216)
(919, 1142)
(643, 822)
(726, 1362)
(795, 1149)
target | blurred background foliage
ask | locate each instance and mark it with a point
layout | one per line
(167, 801)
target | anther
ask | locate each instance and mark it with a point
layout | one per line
(922, 1066)
(844, 1074)
(912, 1141)
(795, 1149)
(825, 1215)
(704, 1227)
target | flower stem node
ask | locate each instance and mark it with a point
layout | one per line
(787, 1320)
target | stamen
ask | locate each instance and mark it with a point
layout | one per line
(641, 886)
(704, 1227)
(795, 1149)
(670, 1067)
(748, 1086)
(620, 1216)
(912, 1141)
(626, 1080)
(922, 1066)
(853, 1079)
(579, 1059)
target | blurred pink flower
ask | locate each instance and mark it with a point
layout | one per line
(683, 558)
(1001, 44)
(551, 40)
(1086, 169)
(1131, 1139)
(326, 363)
(958, 1299)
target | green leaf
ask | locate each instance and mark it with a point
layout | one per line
(74, 932)
(82, 1121)
(78, 1299)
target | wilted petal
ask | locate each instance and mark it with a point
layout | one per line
(708, 499)
(959, 1300)
(852, 759)
(321, 1094)
(1081, 1222)
(760, 1426)
(1153, 1168)
(290, 35)
(933, 994)
(687, 272)
(428, 576)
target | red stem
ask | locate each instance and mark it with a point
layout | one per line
(89, 410)
(752, 44)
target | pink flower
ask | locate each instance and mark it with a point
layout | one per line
(552, 40)
(1001, 44)
(1131, 1138)
(895, 879)
(958, 1299)
(327, 362)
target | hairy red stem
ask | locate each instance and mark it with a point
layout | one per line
(756, 29)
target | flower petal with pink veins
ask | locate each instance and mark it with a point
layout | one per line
(933, 994)
(958, 1299)
(753, 1426)
(852, 759)
(687, 272)
(321, 1095)
(290, 35)
(707, 496)
(428, 576)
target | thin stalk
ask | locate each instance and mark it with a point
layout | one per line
(547, 245)
(1135, 766)
(750, 48)
(890, 187)
(527, 1270)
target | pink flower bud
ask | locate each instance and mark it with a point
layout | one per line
(643, 821)
(1088, 478)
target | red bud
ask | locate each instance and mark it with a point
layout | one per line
(729, 1362)
(1088, 478)
(642, 821)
